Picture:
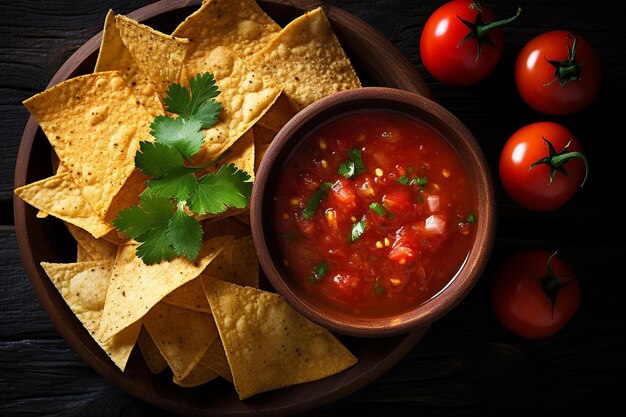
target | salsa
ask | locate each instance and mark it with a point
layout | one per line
(374, 213)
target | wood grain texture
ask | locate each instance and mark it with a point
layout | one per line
(467, 364)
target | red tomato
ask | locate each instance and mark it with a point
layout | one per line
(557, 73)
(460, 43)
(348, 287)
(534, 293)
(542, 166)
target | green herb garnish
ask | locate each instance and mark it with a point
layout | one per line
(420, 181)
(353, 166)
(471, 218)
(311, 206)
(357, 230)
(318, 272)
(381, 210)
(163, 221)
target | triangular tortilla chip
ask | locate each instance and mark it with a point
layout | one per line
(242, 153)
(262, 139)
(215, 359)
(182, 336)
(60, 197)
(95, 124)
(190, 296)
(83, 287)
(278, 115)
(200, 374)
(307, 60)
(150, 352)
(114, 55)
(238, 263)
(98, 249)
(158, 55)
(82, 255)
(239, 25)
(136, 287)
(267, 343)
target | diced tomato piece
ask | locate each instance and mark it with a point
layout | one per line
(347, 286)
(306, 226)
(343, 195)
(402, 253)
(398, 201)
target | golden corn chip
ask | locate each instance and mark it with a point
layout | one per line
(200, 374)
(114, 55)
(237, 263)
(82, 255)
(242, 153)
(240, 26)
(60, 197)
(307, 60)
(98, 249)
(182, 336)
(83, 287)
(190, 296)
(128, 195)
(150, 352)
(136, 287)
(262, 139)
(158, 55)
(94, 124)
(215, 359)
(278, 115)
(267, 343)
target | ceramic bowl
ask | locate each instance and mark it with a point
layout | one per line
(294, 132)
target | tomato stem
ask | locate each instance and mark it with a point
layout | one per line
(551, 284)
(479, 29)
(555, 160)
(567, 69)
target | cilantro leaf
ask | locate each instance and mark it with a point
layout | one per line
(152, 212)
(420, 181)
(229, 186)
(318, 272)
(378, 209)
(314, 201)
(404, 180)
(357, 230)
(181, 134)
(471, 218)
(157, 159)
(199, 103)
(354, 166)
(180, 184)
(155, 247)
(184, 234)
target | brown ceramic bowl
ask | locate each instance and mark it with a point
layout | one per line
(370, 98)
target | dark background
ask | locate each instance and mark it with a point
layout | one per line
(467, 364)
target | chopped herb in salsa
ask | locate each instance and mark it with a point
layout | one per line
(318, 272)
(311, 206)
(354, 166)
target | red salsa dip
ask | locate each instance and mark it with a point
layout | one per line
(374, 213)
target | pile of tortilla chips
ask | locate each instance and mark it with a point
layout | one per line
(207, 318)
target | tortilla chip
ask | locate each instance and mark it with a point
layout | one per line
(128, 195)
(150, 352)
(41, 214)
(262, 139)
(182, 336)
(215, 359)
(83, 287)
(278, 115)
(307, 60)
(60, 197)
(238, 263)
(200, 374)
(245, 97)
(242, 153)
(267, 343)
(98, 249)
(114, 55)
(95, 124)
(82, 255)
(136, 287)
(158, 55)
(190, 296)
(225, 227)
(240, 26)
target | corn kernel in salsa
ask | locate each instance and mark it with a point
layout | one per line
(372, 213)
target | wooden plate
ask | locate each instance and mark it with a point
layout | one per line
(378, 62)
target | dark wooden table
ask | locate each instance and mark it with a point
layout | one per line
(467, 364)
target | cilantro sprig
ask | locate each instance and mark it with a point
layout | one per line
(354, 165)
(164, 221)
